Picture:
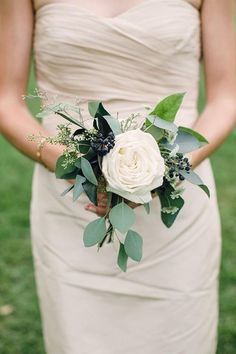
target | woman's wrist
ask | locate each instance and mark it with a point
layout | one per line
(49, 155)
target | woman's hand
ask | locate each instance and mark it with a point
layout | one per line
(101, 208)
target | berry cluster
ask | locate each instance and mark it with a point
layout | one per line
(103, 144)
(177, 164)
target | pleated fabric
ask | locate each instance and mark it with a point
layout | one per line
(167, 303)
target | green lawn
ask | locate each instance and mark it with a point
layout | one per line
(20, 331)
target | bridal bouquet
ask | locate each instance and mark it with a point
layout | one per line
(130, 161)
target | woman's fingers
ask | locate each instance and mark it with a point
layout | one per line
(101, 208)
(102, 199)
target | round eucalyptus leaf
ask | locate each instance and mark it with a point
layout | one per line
(94, 232)
(122, 258)
(122, 217)
(133, 245)
(88, 171)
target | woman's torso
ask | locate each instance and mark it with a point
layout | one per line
(146, 52)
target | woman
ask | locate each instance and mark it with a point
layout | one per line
(127, 54)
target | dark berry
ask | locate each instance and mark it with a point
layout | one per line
(103, 144)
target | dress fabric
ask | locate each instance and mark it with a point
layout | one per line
(167, 303)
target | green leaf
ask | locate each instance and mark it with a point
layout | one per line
(60, 170)
(67, 190)
(133, 245)
(78, 187)
(205, 189)
(187, 141)
(156, 132)
(166, 202)
(60, 109)
(114, 124)
(122, 258)
(84, 146)
(169, 219)
(168, 107)
(91, 191)
(69, 119)
(88, 171)
(193, 178)
(90, 154)
(93, 107)
(96, 109)
(197, 135)
(122, 217)
(161, 123)
(94, 232)
(147, 207)
(78, 162)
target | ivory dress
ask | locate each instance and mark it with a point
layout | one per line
(167, 303)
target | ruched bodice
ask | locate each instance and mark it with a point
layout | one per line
(129, 61)
(167, 303)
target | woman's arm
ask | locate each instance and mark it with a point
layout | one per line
(16, 123)
(219, 54)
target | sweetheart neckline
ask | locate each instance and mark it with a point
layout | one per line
(101, 18)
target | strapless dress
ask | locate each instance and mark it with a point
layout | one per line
(167, 303)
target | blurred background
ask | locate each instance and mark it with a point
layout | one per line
(20, 327)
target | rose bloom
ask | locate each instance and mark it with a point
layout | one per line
(134, 166)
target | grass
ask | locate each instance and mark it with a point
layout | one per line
(20, 330)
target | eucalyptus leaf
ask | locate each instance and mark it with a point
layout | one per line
(71, 107)
(96, 109)
(122, 258)
(71, 175)
(205, 189)
(202, 140)
(168, 107)
(93, 107)
(78, 187)
(103, 125)
(90, 154)
(133, 245)
(69, 119)
(156, 132)
(52, 108)
(61, 171)
(192, 177)
(168, 202)
(78, 162)
(91, 191)
(122, 217)
(84, 146)
(169, 219)
(114, 124)
(161, 123)
(94, 232)
(67, 190)
(186, 142)
(88, 171)
(195, 179)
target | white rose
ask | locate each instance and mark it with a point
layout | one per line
(134, 166)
